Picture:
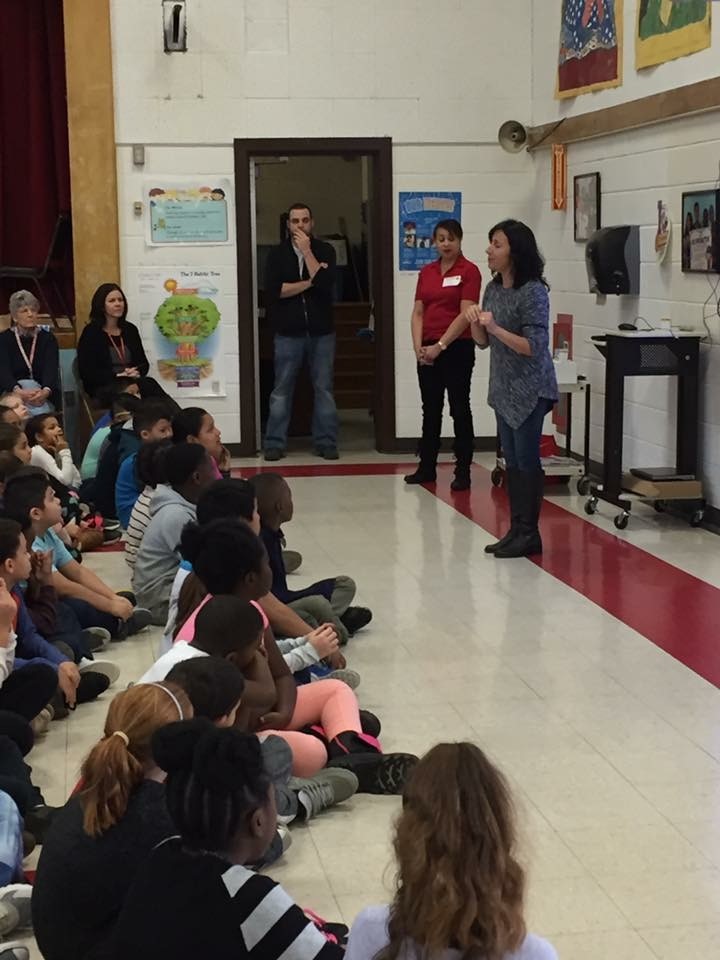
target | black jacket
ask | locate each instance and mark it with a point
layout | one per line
(45, 368)
(93, 352)
(308, 313)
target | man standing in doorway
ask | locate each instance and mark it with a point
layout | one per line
(299, 282)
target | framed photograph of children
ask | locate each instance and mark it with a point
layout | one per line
(586, 205)
(700, 231)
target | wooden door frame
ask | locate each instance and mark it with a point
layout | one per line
(381, 242)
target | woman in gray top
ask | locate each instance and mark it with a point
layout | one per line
(514, 323)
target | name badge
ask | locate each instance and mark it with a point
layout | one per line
(452, 281)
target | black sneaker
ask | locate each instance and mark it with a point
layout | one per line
(461, 481)
(91, 686)
(273, 453)
(96, 638)
(111, 536)
(355, 618)
(139, 619)
(128, 595)
(378, 773)
(327, 453)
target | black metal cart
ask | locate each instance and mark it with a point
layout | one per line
(650, 354)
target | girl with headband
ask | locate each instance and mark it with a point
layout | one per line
(105, 832)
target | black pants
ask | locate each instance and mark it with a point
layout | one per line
(451, 372)
(15, 777)
(28, 689)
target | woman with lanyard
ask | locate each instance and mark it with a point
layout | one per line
(29, 357)
(514, 323)
(110, 346)
(445, 353)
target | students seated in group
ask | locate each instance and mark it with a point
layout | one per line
(229, 559)
(229, 631)
(322, 602)
(223, 499)
(50, 451)
(150, 471)
(31, 500)
(102, 837)
(195, 425)
(222, 803)
(13, 410)
(122, 404)
(188, 470)
(151, 422)
(460, 888)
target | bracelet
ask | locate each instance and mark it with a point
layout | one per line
(443, 346)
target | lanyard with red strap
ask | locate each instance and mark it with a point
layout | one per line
(120, 351)
(21, 348)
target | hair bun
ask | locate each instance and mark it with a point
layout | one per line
(173, 746)
(227, 759)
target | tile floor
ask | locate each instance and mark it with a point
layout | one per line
(612, 745)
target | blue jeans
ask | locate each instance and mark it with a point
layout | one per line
(521, 445)
(289, 355)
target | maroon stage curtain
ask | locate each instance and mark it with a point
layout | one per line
(34, 157)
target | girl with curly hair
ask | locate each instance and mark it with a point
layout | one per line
(460, 888)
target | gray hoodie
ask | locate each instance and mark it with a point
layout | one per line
(159, 557)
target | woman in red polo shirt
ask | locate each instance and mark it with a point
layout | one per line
(445, 352)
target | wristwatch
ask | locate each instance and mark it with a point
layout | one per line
(443, 346)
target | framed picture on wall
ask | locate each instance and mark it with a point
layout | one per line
(586, 205)
(700, 231)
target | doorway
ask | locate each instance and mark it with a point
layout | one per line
(348, 185)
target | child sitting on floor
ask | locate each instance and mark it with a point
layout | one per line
(31, 499)
(151, 422)
(322, 602)
(189, 470)
(122, 404)
(195, 425)
(14, 402)
(50, 451)
(223, 805)
(460, 887)
(150, 471)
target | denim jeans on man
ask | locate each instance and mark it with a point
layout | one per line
(290, 352)
(521, 447)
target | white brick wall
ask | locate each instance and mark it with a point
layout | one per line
(419, 71)
(637, 168)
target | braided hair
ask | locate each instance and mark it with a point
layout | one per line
(215, 780)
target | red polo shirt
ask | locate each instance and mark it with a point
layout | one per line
(441, 295)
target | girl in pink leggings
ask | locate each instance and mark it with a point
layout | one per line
(320, 721)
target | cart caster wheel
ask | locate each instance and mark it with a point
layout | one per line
(659, 506)
(497, 477)
(591, 506)
(583, 486)
(697, 518)
(621, 520)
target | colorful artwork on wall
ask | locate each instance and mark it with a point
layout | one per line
(590, 46)
(668, 29)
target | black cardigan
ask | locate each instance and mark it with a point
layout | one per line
(93, 352)
(305, 314)
(46, 363)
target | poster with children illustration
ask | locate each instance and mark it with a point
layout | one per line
(419, 212)
(180, 318)
(184, 211)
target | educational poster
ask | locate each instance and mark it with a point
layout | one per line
(187, 210)
(182, 309)
(668, 29)
(590, 55)
(419, 212)
(700, 232)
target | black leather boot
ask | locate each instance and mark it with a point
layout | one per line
(462, 479)
(526, 540)
(513, 493)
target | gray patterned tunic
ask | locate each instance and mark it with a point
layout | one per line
(518, 382)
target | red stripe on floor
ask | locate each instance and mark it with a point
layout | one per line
(673, 609)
